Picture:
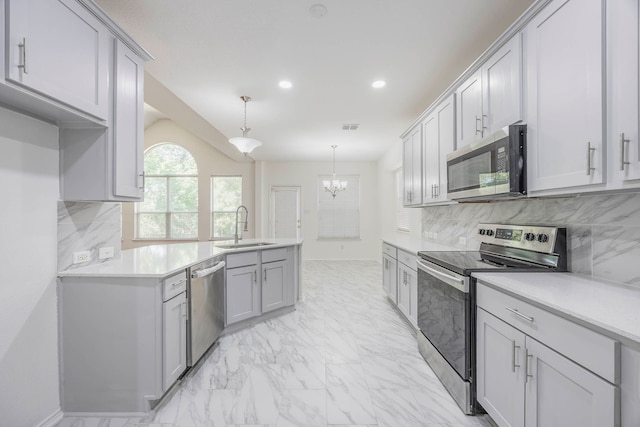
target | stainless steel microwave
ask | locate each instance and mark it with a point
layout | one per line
(491, 168)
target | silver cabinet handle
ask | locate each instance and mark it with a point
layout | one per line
(173, 285)
(514, 365)
(623, 143)
(265, 274)
(482, 123)
(478, 119)
(437, 190)
(526, 367)
(590, 151)
(516, 312)
(143, 180)
(255, 276)
(23, 59)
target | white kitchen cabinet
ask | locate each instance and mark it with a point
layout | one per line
(469, 110)
(408, 286)
(492, 97)
(438, 131)
(412, 167)
(566, 375)
(565, 65)
(275, 283)
(122, 341)
(623, 74)
(174, 343)
(242, 293)
(106, 164)
(59, 49)
(390, 277)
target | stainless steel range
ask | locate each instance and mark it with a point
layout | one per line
(446, 296)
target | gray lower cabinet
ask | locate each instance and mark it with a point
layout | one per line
(538, 369)
(243, 294)
(390, 277)
(259, 282)
(122, 341)
(174, 343)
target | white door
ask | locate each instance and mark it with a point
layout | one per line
(565, 56)
(500, 362)
(285, 212)
(561, 393)
(469, 110)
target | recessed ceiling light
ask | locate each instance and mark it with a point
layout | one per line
(378, 84)
(285, 84)
(318, 10)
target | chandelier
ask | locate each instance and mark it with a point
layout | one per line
(244, 143)
(334, 185)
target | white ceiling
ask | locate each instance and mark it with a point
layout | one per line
(210, 52)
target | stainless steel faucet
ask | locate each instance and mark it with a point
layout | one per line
(236, 237)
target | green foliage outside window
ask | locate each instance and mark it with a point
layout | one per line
(226, 197)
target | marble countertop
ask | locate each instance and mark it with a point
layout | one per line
(163, 260)
(612, 307)
(413, 245)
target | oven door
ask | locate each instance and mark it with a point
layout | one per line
(445, 315)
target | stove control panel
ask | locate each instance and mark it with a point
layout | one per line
(530, 237)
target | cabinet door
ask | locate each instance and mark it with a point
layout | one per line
(59, 49)
(562, 393)
(565, 95)
(390, 277)
(404, 290)
(502, 86)
(242, 293)
(275, 279)
(431, 158)
(446, 142)
(127, 126)
(623, 35)
(412, 168)
(412, 279)
(500, 361)
(174, 344)
(469, 110)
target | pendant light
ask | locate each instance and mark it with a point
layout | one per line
(334, 185)
(244, 143)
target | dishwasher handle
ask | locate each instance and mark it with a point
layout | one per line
(207, 271)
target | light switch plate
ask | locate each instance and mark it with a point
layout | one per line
(106, 252)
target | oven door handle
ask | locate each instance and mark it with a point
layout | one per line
(457, 282)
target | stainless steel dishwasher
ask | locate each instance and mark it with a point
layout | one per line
(205, 296)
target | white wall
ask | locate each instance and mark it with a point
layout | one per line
(305, 175)
(210, 162)
(387, 165)
(29, 387)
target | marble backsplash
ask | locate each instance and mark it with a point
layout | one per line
(87, 226)
(603, 230)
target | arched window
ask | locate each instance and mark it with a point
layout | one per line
(170, 207)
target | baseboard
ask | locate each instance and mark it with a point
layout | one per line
(52, 419)
(142, 415)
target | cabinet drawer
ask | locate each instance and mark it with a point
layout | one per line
(242, 259)
(271, 255)
(407, 259)
(389, 250)
(174, 285)
(588, 348)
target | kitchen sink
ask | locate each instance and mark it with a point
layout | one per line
(243, 245)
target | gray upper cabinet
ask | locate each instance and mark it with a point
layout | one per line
(565, 65)
(469, 114)
(59, 49)
(438, 134)
(412, 167)
(623, 33)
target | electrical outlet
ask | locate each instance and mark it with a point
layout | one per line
(106, 252)
(82, 256)
(462, 240)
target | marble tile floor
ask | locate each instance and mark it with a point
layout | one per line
(344, 357)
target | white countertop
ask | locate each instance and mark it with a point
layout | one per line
(612, 307)
(413, 245)
(163, 260)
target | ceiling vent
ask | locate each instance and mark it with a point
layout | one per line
(350, 126)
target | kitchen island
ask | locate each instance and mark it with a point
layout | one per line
(123, 323)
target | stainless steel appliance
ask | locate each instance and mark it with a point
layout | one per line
(205, 296)
(446, 296)
(494, 167)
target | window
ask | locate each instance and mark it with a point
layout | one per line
(402, 213)
(226, 197)
(170, 207)
(339, 217)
